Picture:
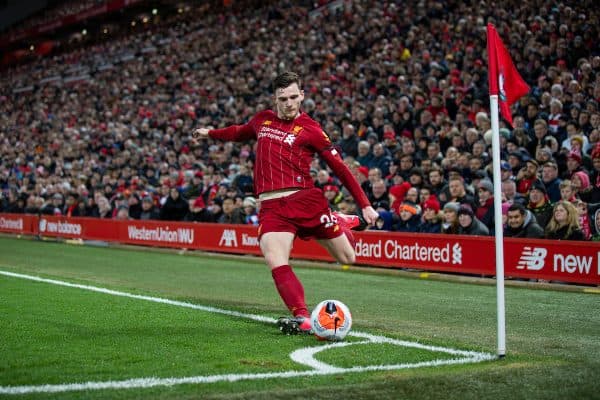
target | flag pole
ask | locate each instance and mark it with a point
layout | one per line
(498, 227)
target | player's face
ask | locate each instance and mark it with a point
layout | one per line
(288, 100)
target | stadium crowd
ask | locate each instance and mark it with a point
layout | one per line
(400, 88)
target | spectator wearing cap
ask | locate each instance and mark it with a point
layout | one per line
(521, 223)
(538, 203)
(581, 183)
(432, 218)
(249, 211)
(574, 164)
(390, 143)
(469, 224)
(506, 172)
(450, 218)
(485, 209)
(384, 222)
(551, 180)
(408, 217)
(149, 211)
(527, 175)
(333, 195)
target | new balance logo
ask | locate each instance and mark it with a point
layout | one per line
(228, 238)
(532, 258)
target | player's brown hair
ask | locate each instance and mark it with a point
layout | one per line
(286, 79)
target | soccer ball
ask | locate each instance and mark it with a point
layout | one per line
(331, 320)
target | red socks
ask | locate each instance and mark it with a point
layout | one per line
(290, 289)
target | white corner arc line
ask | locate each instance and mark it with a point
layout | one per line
(304, 356)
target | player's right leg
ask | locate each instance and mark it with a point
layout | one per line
(276, 248)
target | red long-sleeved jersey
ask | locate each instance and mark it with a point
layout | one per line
(285, 150)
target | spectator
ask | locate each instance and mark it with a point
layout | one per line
(432, 218)
(521, 223)
(380, 159)
(567, 191)
(468, 224)
(450, 212)
(175, 207)
(104, 209)
(551, 180)
(230, 215)
(539, 204)
(149, 211)
(584, 219)
(581, 183)
(458, 193)
(527, 175)
(485, 211)
(384, 222)
(379, 196)
(122, 213)
(509, 193)
(349, 141)
(71, 207)
(409, 218)
(249, 211)
(564, 223)
(333, 195)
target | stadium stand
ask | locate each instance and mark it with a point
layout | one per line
(112, 115)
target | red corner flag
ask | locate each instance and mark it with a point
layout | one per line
(504, 79)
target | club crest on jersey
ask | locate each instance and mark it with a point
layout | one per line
(289, 139)
(267, 122)
(296, 129)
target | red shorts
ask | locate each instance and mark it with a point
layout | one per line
(305, 213)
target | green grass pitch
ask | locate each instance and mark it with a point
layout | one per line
(132, 323)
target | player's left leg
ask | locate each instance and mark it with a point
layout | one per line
(341, 248)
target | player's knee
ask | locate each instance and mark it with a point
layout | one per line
(347, 258)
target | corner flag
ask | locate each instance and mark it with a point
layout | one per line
(504, 79)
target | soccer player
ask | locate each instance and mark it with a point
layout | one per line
(287, 140)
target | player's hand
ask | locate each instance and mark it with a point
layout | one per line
(199, 134)
(370, 215)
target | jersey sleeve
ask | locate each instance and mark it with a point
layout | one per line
(332, 157)
(235, 133)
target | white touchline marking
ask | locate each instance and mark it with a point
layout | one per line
(304, 356)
